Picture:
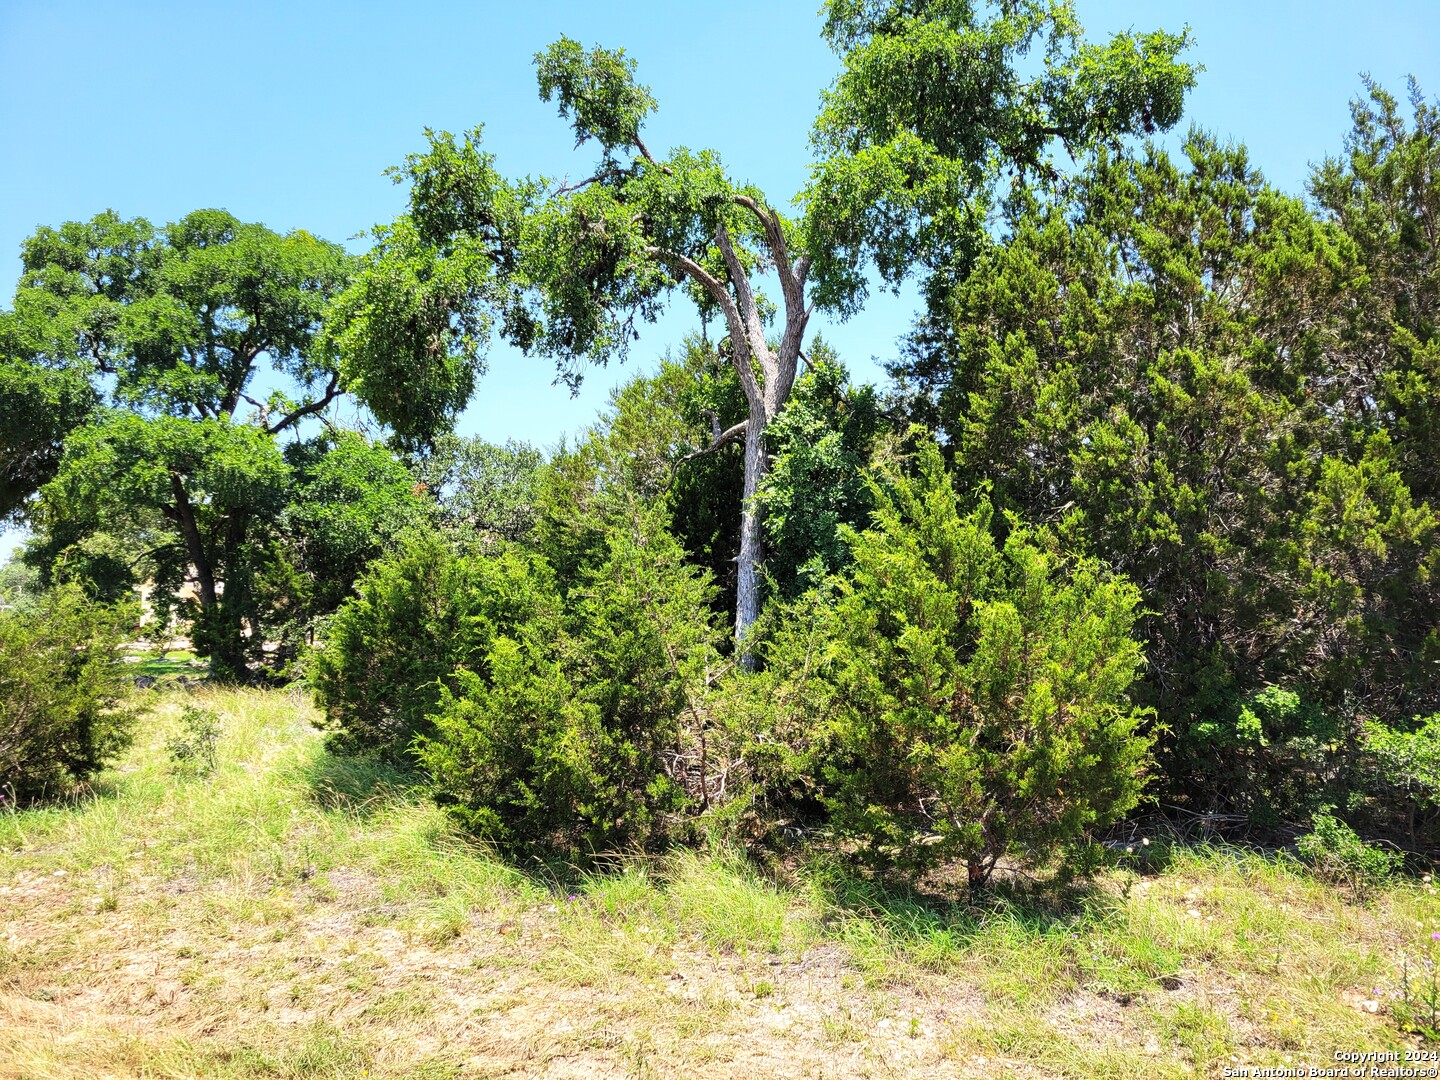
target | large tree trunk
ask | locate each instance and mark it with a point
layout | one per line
(216, 634)
(766, 377)
(231, 658)
(752, 543)
(194, 544)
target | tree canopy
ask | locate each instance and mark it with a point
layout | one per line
(1185, 370)
(567, 270)
(164, 364)
(1153, 492)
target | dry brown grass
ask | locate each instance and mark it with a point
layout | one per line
(295, 916)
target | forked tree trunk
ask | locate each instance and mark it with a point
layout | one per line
(766, 373)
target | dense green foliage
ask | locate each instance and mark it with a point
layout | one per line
(42, 405)
(824, 441)
(1338, 855)
(585, 733)
(957, 698)
(1406, 759)
(19, 584)
(138, 352)
(60, 690)
(1154, 494)
(648, 446)
(1384, 195)
(552, 711)
(483, 488)
(1190, 410)
(1131, 362)
(933, 102)
(568, 270)
(418, 617)
(347, 501)
(656, 442)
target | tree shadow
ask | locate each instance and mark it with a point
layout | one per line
(361, 784)
(942, 906)
(364, 785)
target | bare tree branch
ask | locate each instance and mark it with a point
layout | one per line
(721, 295)
(755, 208)
(331, 392)
(568, 188)
(734, 431)
(645, 153)
(781, 378)
(748, 308)
(261, 407)
(790, 283)
(722, 439)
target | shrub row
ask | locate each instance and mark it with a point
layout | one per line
(946, 696)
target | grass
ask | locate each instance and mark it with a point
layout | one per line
(161, 670)
(291, 914)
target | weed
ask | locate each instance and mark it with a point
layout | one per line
(1338, 855)
(192, 752)
(1418, 1008)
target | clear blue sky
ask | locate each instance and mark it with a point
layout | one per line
(287, 113)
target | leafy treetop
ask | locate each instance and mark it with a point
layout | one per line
(937, 99)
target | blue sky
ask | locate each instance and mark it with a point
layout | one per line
(287, 113)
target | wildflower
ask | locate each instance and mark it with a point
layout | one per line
(1435, 935)
(571, 897)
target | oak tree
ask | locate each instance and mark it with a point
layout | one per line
(173, 359)
(930, 104)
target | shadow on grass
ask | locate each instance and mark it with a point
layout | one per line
(105, 787)
(930, 920)
(941, 910)
(934, 919)
(365, 784)
(361, 784)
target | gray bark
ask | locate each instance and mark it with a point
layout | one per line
(766, 376)
(752, 539)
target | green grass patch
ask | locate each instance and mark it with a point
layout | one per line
(293, 913)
